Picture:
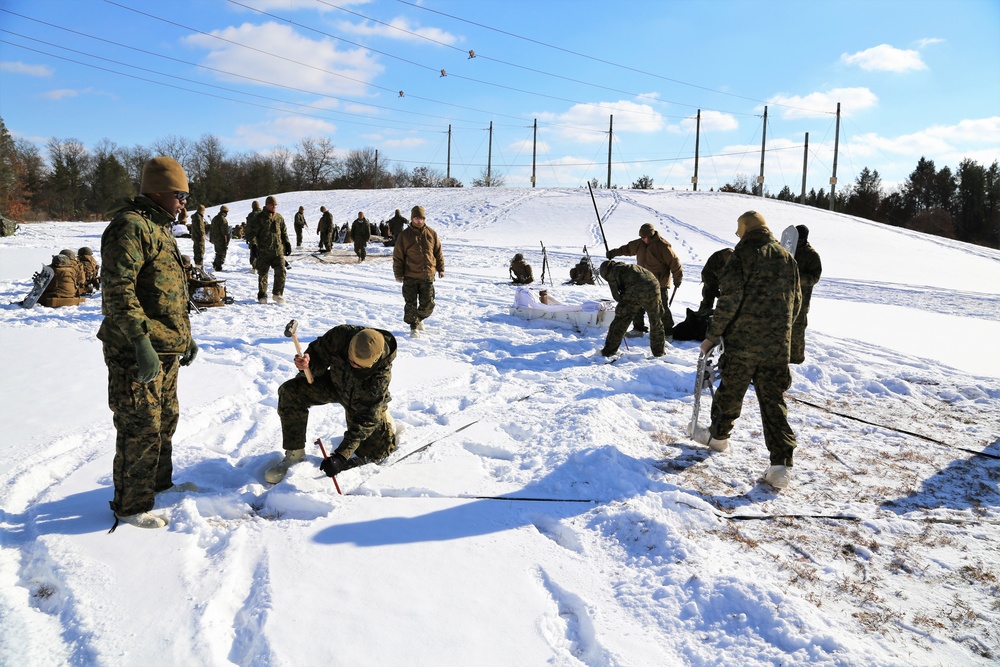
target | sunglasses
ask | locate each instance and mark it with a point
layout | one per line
(182, 196)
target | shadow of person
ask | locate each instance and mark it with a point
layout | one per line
(967, 483)
(75, 514)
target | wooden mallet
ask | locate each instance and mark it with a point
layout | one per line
(290, 329)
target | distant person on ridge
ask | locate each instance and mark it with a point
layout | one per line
(416, 257)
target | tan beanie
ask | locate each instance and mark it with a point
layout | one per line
(366, 348)
(645, 230)
(270, 201)
(749, 221)
(163, 174)
(255, 206)
(417, 212)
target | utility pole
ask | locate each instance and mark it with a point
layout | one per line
(805, 166)
(375, 186)
(611, 134)
(489, 159)
(448, 174)
(697, 141)
(836, 148)
(534, 151)
(763, 141)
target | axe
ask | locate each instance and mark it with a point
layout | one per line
(290, 330)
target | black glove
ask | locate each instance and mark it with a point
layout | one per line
(333, 465)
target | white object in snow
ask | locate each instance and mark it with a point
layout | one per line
(582, 316)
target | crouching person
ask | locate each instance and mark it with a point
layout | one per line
(352, 366)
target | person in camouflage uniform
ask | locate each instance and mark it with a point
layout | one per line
(271, 240)
(582, 273)
(361, 233)
(416, 257)
(220, 235)
(654, 253)
(65, 283)
(759, 299)
(396, 224)
(325, 230)
(250, 232)
(635, 289)
(810, 270)
(91, 269)
(352, 366)
(300, 225)
(146, 335)
(198, 235)
(710, 279)
(520, 271)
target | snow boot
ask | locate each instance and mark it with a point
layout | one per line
(277, 298)
(262, 300)
(718, 444)
(276, 473)
(778, 476)
(183, 487)
(142, 520)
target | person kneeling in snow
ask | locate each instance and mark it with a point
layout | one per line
(350, 365)
(520, 271)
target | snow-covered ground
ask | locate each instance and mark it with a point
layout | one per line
(560, 515)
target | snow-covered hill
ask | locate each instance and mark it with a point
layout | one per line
(559, 515)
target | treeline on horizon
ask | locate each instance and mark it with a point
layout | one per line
(79, 184)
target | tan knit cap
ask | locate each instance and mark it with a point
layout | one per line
(366, 348)
(645, 230)
(163, 174)
(748, 222)
(270, 201)
(417, 212)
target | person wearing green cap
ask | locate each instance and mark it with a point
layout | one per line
(352, 366)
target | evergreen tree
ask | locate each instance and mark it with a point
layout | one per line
(66, 187)
(109, 182)
(865, 196)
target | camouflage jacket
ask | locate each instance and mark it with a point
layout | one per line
(325, 223)
(198, 229)
(219, 232)
(759, 299)
(657, 256)
(417, 254)
(631, 282)
(270, 235)
(300, 221)
(810, 270)
(713, 267)
(250, 230)
(364, 392)
(144, 292)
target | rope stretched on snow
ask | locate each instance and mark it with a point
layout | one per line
(893, 428)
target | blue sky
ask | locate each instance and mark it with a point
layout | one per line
(914, 78)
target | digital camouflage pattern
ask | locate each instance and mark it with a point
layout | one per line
(418, 299)
(144, 294)
(636, 290)
(250, 232)
(300, 225)
(325, 231)
(198, 237)
(810, 270)
(760, 297)
(710, 278)
(363, 392)
(271, 240)
(219, 235)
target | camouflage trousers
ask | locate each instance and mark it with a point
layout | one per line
(798, 349)
(264, 264)
(626, 311)
(298, 237)
(361, 250)
(296, 396)
(770, 382)
(253, 257)
(199, 252)
(326, 241)
(220, 255)
(667, 318)
(418, 295)
(145, 417)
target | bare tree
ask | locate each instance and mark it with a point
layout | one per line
(315, 164)
(488, 180)
(359, 169)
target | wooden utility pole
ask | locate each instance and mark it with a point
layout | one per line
(375, 185)
(805, 166)
(763, 142)
(836, 148)
(534, 151)
(489, 159)
(697, 141)
(611, 132)
(448, 173)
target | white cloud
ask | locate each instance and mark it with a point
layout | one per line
(714, 121)
(885, 58)
(399, 28)
(323, 67)
(294, 5)
(409, 142)
(819, 104)
(286, 130)
(936, 142)
(588, 123)
(17, 67)
(60, 94)
(927, 41)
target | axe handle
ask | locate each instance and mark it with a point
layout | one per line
(298, 349)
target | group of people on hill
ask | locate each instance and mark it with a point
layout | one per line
(146, 334)
(75, 275)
